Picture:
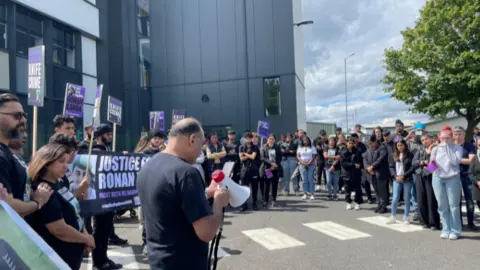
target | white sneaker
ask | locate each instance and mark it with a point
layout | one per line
(406, 221)
(304, 197)
(349, 206)
(317, 188)
(357, 206)
(391, 220)
(444, 236)
(312, 197)
(453, 236)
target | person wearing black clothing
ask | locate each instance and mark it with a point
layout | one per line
(231, 148)
(375, 162)
(271, 169)
(401, 133)
(64, 124)
(427, 203)
(215, 156)
(58, 222)
(351, 163)
(249, 172)
(179, 220)
(103, 227)
(320, 142)
(153, 143)
(362, 148)
(13, 175)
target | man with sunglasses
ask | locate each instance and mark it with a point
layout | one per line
(13, 177)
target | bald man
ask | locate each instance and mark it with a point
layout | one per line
(178, 218)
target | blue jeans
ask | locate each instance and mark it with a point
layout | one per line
(397, 189)
(289, 165)
(307, 176)
(448, 194)
(413, 193)
(467, 194)
(332, 182)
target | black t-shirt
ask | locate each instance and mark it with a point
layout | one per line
(13, 174)
(468, 149)
(232, 151)
(172, 195)
(252, 165)
(61, 205)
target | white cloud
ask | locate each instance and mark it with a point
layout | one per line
(367, 28)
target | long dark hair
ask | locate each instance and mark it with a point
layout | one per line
(396, 152)
(309, 142)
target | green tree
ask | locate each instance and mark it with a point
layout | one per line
(437, 70)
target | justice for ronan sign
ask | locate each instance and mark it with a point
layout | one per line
(114, 111)
(263, 129)
(36, 76)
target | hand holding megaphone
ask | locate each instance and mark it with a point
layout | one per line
(238, 194)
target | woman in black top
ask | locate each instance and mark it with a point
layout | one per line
(58, 222)
(332, 167)
(351, 162)
(474, 174)
(271, 168)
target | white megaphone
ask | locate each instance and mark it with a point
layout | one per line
(238, 194)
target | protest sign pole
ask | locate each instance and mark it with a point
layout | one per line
(96, 109)
(65, 100)
(35, 131)
(114, 136)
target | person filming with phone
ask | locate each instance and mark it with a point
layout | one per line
(179, 221)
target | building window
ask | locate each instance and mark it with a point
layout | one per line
(271, 90)
(143, 18)
(143, 15)
(29, 30)
(3, 27)
(145, 62)
(64, 47)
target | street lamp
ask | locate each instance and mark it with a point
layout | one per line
(303, 23)
(346, 104)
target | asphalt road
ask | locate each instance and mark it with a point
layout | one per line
(323, 235)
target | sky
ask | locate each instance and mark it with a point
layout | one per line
(367, 28)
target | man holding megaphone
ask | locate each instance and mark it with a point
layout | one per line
(178, 219)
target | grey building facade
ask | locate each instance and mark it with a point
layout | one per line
(229, 63)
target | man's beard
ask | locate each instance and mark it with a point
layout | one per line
(107, 142)
(14, 133)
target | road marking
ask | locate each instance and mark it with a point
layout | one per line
(121, 255)
(464, 209)
(399, 226)
(272, 239)
(337, 231)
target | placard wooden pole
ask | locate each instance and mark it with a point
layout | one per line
(114, 136)
(35, 131)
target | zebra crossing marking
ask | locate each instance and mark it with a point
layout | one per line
(337, 231)
(272, 239)
(399, 226)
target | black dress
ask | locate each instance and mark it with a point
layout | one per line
(61, 205)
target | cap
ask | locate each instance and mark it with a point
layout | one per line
(338, 129)
(399, 122)
(156, 133)
(248, 135)
(231, 132)
(102, 129)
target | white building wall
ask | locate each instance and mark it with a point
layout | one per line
(453, 122)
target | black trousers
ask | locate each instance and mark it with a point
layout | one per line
(103, 225)
(353, 184)
(272, 184)
(250, 178)
(367, 185)
(383, 192)
(88, 224)
(427, 203)
(261, 185)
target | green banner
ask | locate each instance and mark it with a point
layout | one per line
(21, 248)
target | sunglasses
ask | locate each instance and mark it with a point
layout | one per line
(16, 115)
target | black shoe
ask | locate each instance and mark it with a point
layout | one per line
(117, 241)
(383, 210)
(265, 204)
(274, 204)
(109, 265)
(472, 227)
(254, 207)
(244, 208)
(378, 209)
(415, 217)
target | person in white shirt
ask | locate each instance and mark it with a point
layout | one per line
(447, 186)
(306, 155)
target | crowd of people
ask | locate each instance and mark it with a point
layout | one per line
(425, 173)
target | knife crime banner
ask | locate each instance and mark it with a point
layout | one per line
(113, 184)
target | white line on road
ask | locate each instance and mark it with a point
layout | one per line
(272, 239)
(121, 255)
(399, 226)
(337, 231)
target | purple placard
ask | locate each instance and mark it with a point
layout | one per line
(177, 115)
(36, 76)
(74, 99)
(157, 120)
(432, 166)
(114, 114)
(263, 129)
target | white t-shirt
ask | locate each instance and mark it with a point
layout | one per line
(306, 153)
